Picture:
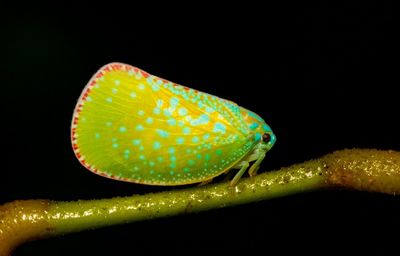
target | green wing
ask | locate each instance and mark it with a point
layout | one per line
(132, 126)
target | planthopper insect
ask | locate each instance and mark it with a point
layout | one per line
(132, 126)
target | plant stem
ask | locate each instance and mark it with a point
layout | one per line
(369, 170)
(81, 215)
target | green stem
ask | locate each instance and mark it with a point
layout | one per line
(368, 170)
(105, 212)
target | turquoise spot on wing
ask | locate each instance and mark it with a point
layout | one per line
(182, 111)
(218, 127)
(257, 137)
(180, 140)
(190, 162)
(150, 79)
(156, 110)
(126, 153)
(122, 129)
(167, 112)
(172, 165)
(139, 127)
(203, 119)
(173, 158)
(156, 145)
(253, 125)
(155, 87)
(171, 121)
(218, 152)
(195, 139)
(162, 133)
(209, 110)
(266, 128)
(174, 102)
(171, 150)
(97, 135)
(140, 113)
(186, 130)
(149, 120)
(136, 142)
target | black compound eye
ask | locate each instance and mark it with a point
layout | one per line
(266, 137)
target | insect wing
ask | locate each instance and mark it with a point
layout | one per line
(132, 126)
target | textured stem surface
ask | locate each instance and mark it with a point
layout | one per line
(368, 170)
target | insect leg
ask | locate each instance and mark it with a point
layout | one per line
(228, 175)
(238, 175)
(254, 168)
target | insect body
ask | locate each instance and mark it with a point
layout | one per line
(132, 126)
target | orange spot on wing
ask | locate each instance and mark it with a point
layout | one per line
(144, 74)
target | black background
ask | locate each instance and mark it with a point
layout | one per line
(322, 75)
